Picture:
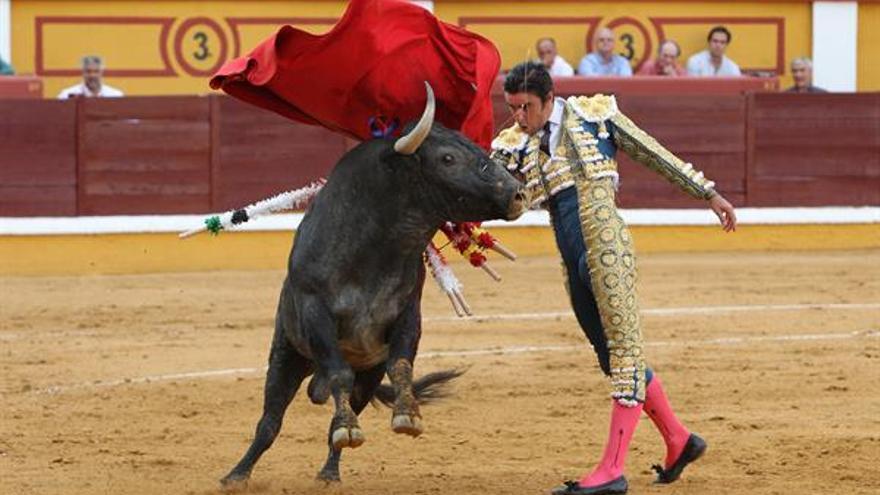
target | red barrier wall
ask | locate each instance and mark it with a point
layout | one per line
(201, 154)
(659, 85)
(38, 159)
(144, 155)
(814, 149)
(29, 87)
(707, 131)
(259, 154)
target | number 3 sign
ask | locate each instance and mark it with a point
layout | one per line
(633, 40)
(200, 46)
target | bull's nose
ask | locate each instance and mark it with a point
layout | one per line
(519, 203)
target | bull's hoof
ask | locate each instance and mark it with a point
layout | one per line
(328, 477)
(347, 437)
(234, 481)
(409, 425)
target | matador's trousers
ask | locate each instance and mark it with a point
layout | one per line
(599, 261)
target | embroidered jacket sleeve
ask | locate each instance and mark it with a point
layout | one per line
(644, 149)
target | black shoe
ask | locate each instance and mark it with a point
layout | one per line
(693, 449)
(617, 486)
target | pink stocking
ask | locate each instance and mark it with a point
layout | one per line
(623, 423)
(658, 409)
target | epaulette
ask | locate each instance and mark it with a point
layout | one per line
(511, 140)
(596, 109)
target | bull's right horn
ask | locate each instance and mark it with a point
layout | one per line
(408, 144)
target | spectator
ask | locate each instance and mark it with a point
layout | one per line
(666, 63)
(92, 85)
(603, 61)
(802, 72)
(712, 61)
(547, 55)
(5, 68)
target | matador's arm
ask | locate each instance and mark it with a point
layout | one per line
(643, 148)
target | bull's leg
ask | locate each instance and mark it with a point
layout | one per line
(405, 417)
(320, 328)
(344, 428)
(365, 383)
(287, 369)
(404, 343)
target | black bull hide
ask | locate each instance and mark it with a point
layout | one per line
(349, 310)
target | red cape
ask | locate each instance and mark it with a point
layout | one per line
(371, 65)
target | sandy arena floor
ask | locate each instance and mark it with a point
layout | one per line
(105, 383)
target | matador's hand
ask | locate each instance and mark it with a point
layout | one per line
(724, 210)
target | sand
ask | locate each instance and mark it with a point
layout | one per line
(152, 384)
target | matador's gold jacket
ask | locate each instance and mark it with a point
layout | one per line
(592, 129)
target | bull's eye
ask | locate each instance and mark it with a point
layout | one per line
(448, 159)
(484, 167)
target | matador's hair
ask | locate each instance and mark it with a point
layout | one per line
(529, 77)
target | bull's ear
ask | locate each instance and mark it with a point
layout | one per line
(408, 144)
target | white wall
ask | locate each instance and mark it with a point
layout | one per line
(6, 30)
(835, 29)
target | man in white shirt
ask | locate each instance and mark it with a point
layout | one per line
(547, 55)
(712, 61)
(92, 85)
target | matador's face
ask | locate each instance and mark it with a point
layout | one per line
(529, 111)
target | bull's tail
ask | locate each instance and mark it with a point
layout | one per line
(429, 388)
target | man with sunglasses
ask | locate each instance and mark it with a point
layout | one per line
(564, 151)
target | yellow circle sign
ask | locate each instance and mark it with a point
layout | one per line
(633, 42)
(200, 46)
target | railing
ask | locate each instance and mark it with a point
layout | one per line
(189, 154)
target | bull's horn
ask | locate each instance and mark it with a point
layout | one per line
(408, 144)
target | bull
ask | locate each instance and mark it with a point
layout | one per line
(349, 309)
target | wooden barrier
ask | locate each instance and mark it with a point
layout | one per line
(259, 154)
(708, 131)
(38, 161)
(193, 154)
(659, 85)
(163, 165)
(814, 149)
(27, 87)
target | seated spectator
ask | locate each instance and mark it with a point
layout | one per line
(603, 61)
(92, 85)
(5, 68)
(666, 63)
(547, 55)
(712, 61)
(802, 72)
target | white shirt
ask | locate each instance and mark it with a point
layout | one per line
(701, 65)
(81, 90)
(561, 67)
(555, 123)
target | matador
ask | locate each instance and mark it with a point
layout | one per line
(564, 151)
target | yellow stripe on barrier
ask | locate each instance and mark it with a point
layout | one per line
(141, 253)
(148, 253)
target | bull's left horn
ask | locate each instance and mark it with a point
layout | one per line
(408, 144)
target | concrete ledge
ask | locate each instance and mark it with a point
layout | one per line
(83, 254)
(137, 224)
